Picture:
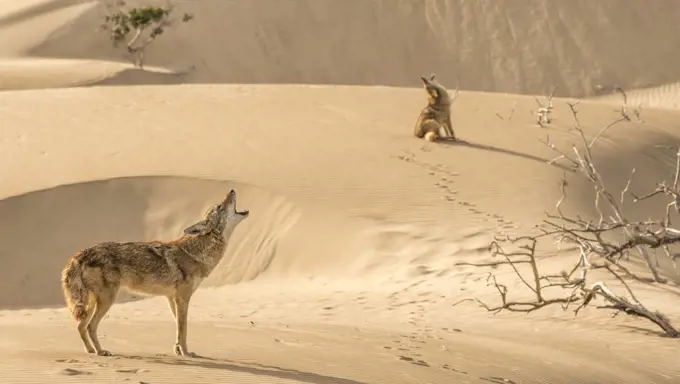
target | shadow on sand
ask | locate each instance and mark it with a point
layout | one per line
(252, 368)
(484, 147)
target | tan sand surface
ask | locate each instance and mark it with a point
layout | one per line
(515, 46)
(345, 270)
(665, 96)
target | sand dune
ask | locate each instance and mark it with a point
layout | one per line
(346, 270)
(327, 247)
(32, 73)
(664, 96)
(525, 46)
(27, 23)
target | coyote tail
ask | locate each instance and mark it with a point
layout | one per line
(75, 292)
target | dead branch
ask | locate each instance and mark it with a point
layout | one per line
(638, 112)
(543, 113)
(588, 169)
(512, 112)
(604, 243)
(624, 104)
(526, 254)
(621, 304)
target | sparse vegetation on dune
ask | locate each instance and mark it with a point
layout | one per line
(137, 27)
(608, 243)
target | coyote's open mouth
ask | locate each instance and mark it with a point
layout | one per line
(244, 212)
(231, 201)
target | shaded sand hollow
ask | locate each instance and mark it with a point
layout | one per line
(345, 271)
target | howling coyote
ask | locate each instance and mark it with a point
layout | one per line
(172, 269)
(437, 113)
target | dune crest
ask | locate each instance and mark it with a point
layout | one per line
(525, 46)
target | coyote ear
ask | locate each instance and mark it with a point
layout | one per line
(200, 228)
(432, 77)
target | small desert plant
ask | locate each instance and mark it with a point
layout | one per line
(138, 27)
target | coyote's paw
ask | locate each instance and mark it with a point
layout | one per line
(103, 352)
(180, 352)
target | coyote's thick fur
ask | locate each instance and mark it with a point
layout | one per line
(173, 269)
(437, 113)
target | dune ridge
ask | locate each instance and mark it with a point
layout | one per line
(525, 46)
(348, 269)
(20, 74)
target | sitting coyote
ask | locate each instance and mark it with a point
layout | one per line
(172, 269)
(437, 113)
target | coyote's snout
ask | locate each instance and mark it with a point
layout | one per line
(173, 269)
(437, 113)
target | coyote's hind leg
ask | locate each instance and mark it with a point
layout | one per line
(428, 129)
(83, 330)
(103, 303)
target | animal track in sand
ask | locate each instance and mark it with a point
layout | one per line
(498, 380)
(132, 370)
(450, 368)
(410, 157)
(80, 365)
(70, 361)
(249, 314)
(406, 354)
(74, 372)
(362, 301)
(414, 361)
(450, 194)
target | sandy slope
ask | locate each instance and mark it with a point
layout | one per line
(327, 248)
(517, 46)
(345, 271)
(32, 73)
(664, 96)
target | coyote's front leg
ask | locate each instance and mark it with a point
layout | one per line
(181, 312)
(448, 127)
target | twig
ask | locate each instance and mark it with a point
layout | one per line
(543, 112)
(512, 112)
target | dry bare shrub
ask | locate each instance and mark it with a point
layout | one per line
(604, 243)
